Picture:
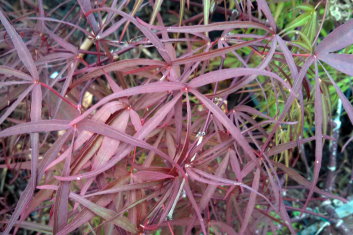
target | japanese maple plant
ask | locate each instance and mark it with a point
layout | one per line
(136, 117)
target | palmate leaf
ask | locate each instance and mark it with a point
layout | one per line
(133, 146)
(234, 131)
(101, 115)
(340, 38)
(35, 115)
(207, 178)
(32, 127)
(147, 128)
(147, 32)
(26, 58)
(105, 130)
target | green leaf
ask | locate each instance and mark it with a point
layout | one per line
(206, 10)
(304, 45)
(181, 11)
(312, 27)
(304, 42)
(306, 7)
(156, 8)
(299, 21)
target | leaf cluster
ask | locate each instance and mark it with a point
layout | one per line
(131, 120)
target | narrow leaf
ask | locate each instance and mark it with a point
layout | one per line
(33, 127)
(143, 89)
(219, 26)
(10, 109)
(123, 188)
(293, 174)
(8, 71)
(340, 38)
(251, 203)
(263, 6)
(22, 51)
(156, 8)
(220, 115)
(224, 74)
(145, 130)
(152, 176)
(207, 194)
(341, 62)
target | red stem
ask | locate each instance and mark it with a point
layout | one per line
(60, 96)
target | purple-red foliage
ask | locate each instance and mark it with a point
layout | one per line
(124, 125)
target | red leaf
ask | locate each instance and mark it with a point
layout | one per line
(143, 89)
(220, 75)
(208, 193)
(340, 38)
(152, 176)
(22, 51)
(345, 102)
(123, 188)
(136, 140)
(33, 127)
(8, 71)
(220, 115)
(341, 62)
(263, 6)
(252, 202)
(304, 182)
(10, 109)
